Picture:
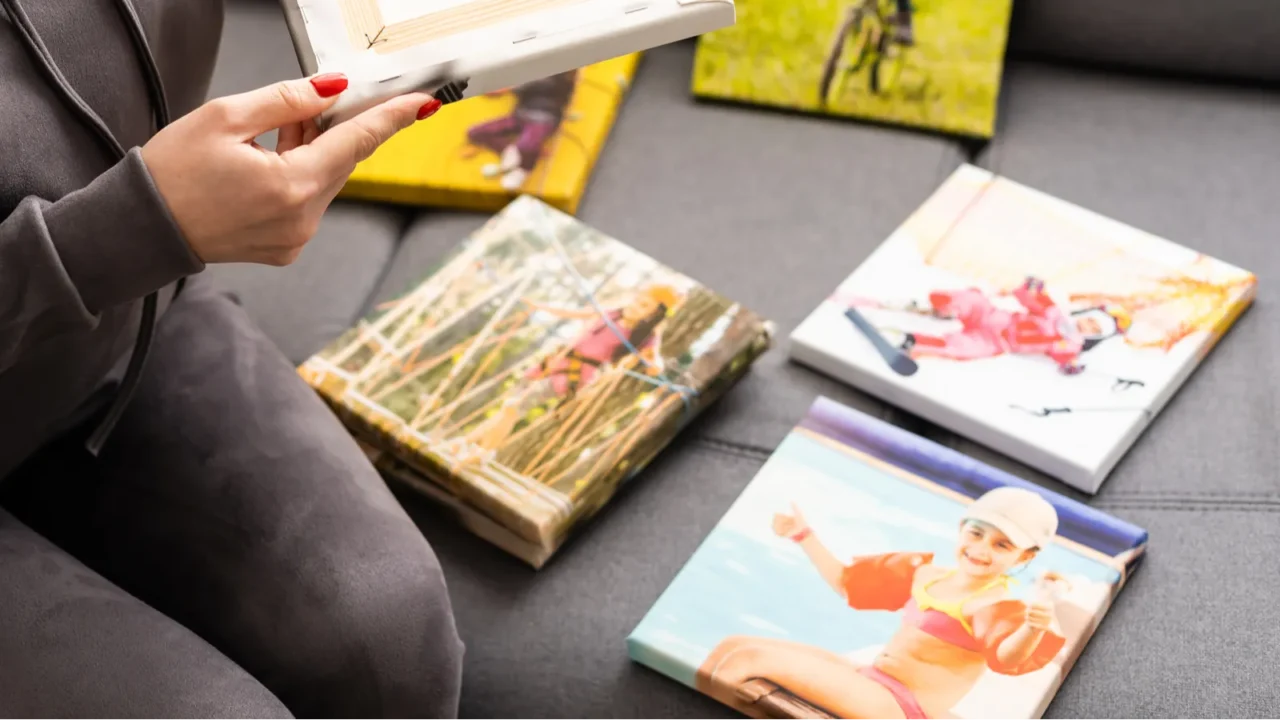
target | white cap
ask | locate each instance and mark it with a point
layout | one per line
(1027, 519)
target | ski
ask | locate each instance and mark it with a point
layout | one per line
(1047, 411)
(896, 359)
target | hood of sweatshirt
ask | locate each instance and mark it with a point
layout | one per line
(85, 238)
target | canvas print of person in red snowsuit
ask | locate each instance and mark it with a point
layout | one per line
(605, 343)
(1041, 328)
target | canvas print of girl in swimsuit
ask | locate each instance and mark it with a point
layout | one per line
(868, 573)
(956, 621)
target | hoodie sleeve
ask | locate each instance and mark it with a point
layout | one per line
(62, 263)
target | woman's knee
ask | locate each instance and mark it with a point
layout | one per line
(381, 642)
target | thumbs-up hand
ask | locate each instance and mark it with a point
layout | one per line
(789, 525)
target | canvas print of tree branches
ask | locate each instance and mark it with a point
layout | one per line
(541, 365)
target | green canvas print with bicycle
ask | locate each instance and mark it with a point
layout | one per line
(932, 64)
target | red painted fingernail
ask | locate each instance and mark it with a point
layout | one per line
(429, 109)
(329, 84)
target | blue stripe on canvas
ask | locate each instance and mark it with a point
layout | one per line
(960, 473)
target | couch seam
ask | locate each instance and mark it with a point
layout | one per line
(731, 447)
(371, 298)
(1242, 496)
(1214, 502)
(1190, 507)
(1137, 500)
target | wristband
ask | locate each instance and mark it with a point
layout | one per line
(800, 536)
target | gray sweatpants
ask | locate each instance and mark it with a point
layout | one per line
(232, 553)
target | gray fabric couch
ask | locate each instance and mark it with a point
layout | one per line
(1161, 113)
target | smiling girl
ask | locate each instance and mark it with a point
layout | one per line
(957, 621)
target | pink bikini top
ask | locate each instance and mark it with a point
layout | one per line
(944, 619)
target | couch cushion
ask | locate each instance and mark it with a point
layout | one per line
(1194, 164)
(1226, 38)
(1180, 640)
(305, 305)
(431, 234)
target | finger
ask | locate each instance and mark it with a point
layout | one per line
(250, 114)
(310, 131)
(337, 151)
(289, 138)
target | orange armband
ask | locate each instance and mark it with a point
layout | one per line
(994, 624)
(881, 582)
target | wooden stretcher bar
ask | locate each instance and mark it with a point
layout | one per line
(769, 700)
(367, 30)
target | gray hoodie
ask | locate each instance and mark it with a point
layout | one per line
(85, 238)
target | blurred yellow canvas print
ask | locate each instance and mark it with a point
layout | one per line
(541, 138)
(930, 64)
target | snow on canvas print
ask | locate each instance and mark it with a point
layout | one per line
(1041, 329)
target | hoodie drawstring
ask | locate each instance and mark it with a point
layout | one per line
(160, 111)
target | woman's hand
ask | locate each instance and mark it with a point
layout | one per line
(236, 201)
(789, 525)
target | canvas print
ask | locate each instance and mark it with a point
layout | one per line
(389, 26)
(866, 572)
(401, 476)
(542, 364)
(541, 138)
(1044, 330)
(931, 64)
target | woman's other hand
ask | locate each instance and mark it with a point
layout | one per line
(785, 525)
(236, 201)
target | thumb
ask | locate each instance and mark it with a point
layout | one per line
(250, 114)
(345, 145)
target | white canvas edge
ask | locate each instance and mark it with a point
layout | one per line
(505, 54)
(805, 348)
(810, 354)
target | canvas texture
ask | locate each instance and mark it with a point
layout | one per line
(868, 572)
(541, 365)
(1047, 331)
(932, 64)
(541, 138)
